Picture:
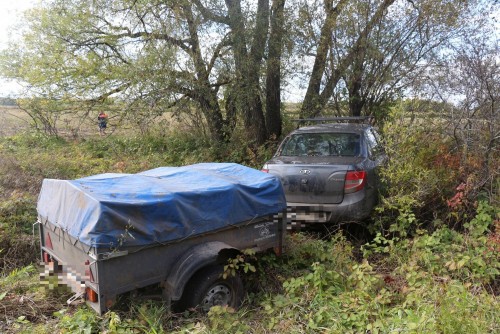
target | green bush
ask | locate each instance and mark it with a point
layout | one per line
(414, 285)
(419, 176)
(470, 257)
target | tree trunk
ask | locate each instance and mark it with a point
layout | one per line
(273, 75)
(311, 104)
(203, 93)
(213, 115)
(356, 101)
(248, 66)
(315, 101)
(354, 81)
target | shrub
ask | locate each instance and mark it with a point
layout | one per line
(446, 253)
(420, 176)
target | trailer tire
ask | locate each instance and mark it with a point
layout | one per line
(207, 288)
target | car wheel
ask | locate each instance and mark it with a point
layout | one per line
(207, 288)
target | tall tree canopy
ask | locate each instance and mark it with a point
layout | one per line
(229, 59)
(156, 54)
(371, 51)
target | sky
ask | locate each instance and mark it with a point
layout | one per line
(10, 12)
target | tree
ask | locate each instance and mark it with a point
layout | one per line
(249, 39)
(399, 51)
(468, 79)
(227, 58)
(313, 100)
(316, 98)
(273, 70)
(154, 55)
(376, 51)
(146, 53)
(248, 65)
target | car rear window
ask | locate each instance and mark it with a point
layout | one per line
(322, 144)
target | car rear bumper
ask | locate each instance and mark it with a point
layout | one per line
(354, 207)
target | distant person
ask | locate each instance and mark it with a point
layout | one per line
(102, 121)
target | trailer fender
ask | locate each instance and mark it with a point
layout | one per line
(194, 259)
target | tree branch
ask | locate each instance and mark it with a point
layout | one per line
(209, 15)
(111, 92)
(226, 41)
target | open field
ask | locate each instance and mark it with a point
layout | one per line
(83, 125)
(12, 121)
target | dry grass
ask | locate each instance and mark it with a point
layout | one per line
(12, 121)
(23, 301)
(18, 251)
(82, 124)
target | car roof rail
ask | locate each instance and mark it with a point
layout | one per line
(344, 119)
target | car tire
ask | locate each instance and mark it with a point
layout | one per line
(208, 288)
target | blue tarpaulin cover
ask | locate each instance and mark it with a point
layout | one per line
(159, 205)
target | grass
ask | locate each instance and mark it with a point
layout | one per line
(13, 121)
(322, 288)
(437, 281)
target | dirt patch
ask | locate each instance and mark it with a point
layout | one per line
(18, 251)
(27, 301)
(33, 307)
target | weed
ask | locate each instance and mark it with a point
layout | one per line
(24, 304)
(226, 320)
(240, 263)
(83, 321)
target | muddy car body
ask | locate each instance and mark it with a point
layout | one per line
(329, 172)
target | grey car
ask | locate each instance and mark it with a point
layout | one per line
(329, 172)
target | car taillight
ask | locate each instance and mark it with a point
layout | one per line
(265, 170)
(354, 181)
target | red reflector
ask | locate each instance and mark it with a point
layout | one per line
(48, 241)
(354, 181)
(91, 295)
(278, 251)
(46, 257)
(88, 271)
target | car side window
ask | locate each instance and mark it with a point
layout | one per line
(374, 148)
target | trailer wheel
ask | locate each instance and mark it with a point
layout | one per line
(207, 288)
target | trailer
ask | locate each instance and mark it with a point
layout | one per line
(173, 228)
